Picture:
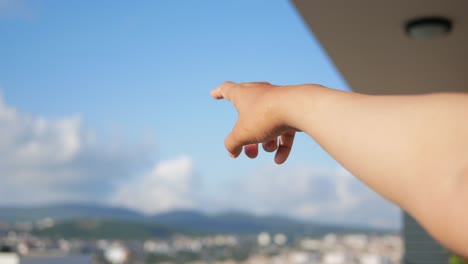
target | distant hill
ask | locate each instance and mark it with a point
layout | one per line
(243, 223)
(71, 219)
(109, 229)
(67, 211)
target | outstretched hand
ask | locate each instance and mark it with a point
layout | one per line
(259, 120)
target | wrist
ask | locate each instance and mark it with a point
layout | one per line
(296, 105)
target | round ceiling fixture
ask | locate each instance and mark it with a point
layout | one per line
(428, 27)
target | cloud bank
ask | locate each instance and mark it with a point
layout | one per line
(54, 160)
(46, 161)
(318, 193)
(169, 185)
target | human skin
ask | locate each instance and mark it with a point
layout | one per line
(411, 149)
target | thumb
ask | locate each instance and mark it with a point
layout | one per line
(235, 141)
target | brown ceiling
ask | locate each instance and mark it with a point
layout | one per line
(367, 42)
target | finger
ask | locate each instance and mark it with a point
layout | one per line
(251, 150)
(270, 145)
(234, 142)
(285, 145)
(224, 91)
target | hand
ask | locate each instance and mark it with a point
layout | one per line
(259, 120)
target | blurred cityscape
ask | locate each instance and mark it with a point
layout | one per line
(226, 249)
(119, 241)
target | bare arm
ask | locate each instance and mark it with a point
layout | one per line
(413, 150)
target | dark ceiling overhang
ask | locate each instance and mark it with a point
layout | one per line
(367, 41)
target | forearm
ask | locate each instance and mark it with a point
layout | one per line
(411, 149)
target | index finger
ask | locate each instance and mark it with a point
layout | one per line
(224, 91)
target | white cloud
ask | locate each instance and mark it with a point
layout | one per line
(320, 194)
(54, 160)
(169, 185)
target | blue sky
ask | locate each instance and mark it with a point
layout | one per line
(123, 90)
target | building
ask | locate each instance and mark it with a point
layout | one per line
(396, 47)
(73, 259)
(9, 258)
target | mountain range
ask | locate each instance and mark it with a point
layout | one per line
(98, 220)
